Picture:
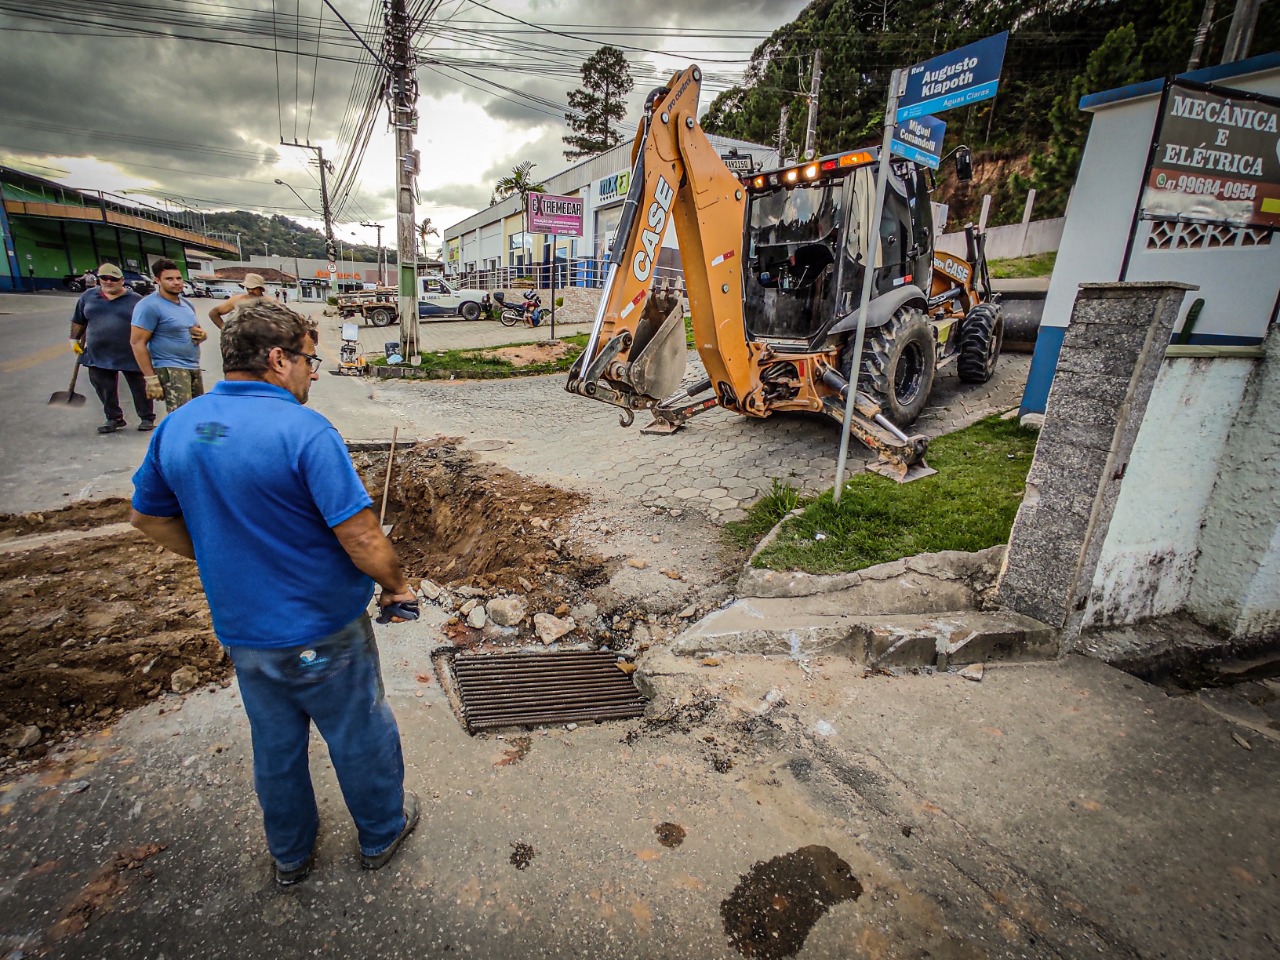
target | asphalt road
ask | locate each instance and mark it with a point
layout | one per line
(53, 454)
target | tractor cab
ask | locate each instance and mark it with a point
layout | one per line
(805, 243)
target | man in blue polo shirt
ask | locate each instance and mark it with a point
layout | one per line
(261, 493)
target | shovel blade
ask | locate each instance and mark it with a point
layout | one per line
(68, 397)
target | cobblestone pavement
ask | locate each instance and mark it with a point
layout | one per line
(718, 464)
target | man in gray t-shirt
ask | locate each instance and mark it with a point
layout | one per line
(100, 333)
(166, 340)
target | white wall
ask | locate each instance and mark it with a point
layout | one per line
(1237, 582)
(1149, 556)
(1011, 240)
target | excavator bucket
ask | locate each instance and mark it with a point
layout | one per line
(656, 371)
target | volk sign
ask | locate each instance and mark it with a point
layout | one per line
(954, 79)
(1216, 158)
(561, 216)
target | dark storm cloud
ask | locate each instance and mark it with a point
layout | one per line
(148, 102)
(202, 121)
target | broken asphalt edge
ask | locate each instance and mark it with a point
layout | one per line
(924, 610)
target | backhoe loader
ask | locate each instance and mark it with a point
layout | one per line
(773, 267)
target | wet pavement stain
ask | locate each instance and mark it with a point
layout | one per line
(777, 902)
(521, 855)
(670, 834)
(518, 750)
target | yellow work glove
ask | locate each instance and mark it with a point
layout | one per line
(76, 345)
(198, 335)
(154, 390)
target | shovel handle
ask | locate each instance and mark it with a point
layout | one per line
(75, 372)
(386, 484)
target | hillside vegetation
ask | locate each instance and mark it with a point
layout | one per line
(1031, 134)
(284, 237)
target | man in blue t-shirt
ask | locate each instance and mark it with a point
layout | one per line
(100, 334)
(261, 493)
(166, 340)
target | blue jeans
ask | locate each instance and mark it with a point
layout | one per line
(337, 683)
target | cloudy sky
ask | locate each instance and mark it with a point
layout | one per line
(187, 101)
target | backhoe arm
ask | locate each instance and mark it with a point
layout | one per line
(635, 355)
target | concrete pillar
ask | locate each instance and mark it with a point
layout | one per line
(1111, 353)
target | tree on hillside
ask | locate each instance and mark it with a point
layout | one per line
(518, 182)
(598, 106)
(1114, 64)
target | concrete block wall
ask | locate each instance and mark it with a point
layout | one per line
(1236, 586)
(1112, 353)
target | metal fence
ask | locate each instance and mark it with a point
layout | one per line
(581, 272)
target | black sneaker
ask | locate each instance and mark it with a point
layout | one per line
(146, 425)
(412, 810)
(287, 878)
(111, 426)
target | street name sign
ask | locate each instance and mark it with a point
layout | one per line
(919, 139)
(954, 79)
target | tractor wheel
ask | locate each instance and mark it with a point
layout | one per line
(381, 317)
(980, 340)
(898, 362)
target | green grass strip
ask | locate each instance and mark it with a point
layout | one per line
(969, 504)
(1018, 268)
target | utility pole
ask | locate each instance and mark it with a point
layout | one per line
(782, 135)
(1202, 36)
(402, 94)
(382, 280)
(811, 129)
(331, 249)
(1241, 33)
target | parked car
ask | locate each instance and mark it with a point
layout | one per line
(224, 291)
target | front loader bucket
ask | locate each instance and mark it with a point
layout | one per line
(656, 371)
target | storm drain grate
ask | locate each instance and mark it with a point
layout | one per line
(530, 689)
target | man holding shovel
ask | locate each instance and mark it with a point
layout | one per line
(100, 330)
(261, 493)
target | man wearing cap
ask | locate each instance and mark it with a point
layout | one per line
(100, 330)
(166, 340)
(255, 288)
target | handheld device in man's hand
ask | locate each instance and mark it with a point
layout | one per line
(399, 612)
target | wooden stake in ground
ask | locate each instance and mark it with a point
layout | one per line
(386, 484)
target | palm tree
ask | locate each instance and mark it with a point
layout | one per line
(519, 182)
(425, 229)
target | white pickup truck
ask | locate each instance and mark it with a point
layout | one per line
(436, 298)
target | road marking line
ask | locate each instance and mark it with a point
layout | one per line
(34, 359)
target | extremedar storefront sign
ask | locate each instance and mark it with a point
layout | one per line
(1216, 158)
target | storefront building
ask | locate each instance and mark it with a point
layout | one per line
(50, 232)
(491, 249)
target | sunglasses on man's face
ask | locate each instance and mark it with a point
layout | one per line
(110, 280)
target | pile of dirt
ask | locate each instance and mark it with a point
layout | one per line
(93, 626)
(82, 515)
(529, 353)
(462, 523)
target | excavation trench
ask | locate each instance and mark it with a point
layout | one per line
(96, 620)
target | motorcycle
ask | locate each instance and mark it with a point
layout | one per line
(531, 312)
